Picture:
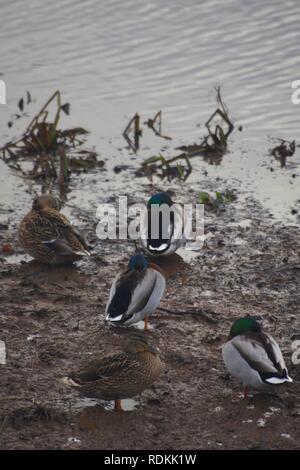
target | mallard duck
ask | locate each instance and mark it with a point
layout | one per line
(47, 235)
(135, 293)
(162, 235)
(119, 375)
(253, 356)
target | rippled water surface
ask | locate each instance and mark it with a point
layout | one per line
(113, 58)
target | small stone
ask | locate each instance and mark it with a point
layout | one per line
(74, 440)
(261, 423)
(218, 409)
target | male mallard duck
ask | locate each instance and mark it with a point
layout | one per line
(47, 235)
(162, 235)
(253, 356)
(119, 375)
(135, 293)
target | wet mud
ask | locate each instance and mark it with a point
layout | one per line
(52, 321)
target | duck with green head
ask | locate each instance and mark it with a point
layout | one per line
(161, 226)
(135, 293)
(47, 235)
(254, 357)
(121, 374)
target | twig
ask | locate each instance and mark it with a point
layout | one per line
(197, 313)
(151, 124)
(133, 126)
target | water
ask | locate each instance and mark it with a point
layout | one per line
(113, 58)
(128, 404)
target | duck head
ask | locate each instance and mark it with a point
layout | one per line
(245, 325)
(46, 201)
(138, 262)
(159, 199)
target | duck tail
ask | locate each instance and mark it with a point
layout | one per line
(113, 319)
(61, 247)
(82, 253)
(278, 380)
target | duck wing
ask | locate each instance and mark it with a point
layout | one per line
(56, 231)
(103, 368)
(60, 247)
(130, 293)
(263, 354)
(148, 293)
(79, 236)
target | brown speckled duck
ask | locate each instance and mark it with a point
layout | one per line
(47, 235)
(119, 375)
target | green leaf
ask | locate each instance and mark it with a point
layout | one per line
(204, 197)
(219, 196)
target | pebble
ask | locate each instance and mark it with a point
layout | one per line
(261, 423)
(285, 435)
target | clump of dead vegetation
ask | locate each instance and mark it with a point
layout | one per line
(178, 167)
(155, 125)
(133, 131)
(215, 143)
(212, 147)
(283, 150)
(217, 201)
(55, 152)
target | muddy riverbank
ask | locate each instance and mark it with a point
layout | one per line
(169, 57)
(52, 321)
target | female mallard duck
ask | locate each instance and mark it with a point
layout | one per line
(47, 235)
(135, 293)
(253, 356)
(162, 235)
(119, 375)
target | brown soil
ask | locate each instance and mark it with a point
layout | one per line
(52, 322)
